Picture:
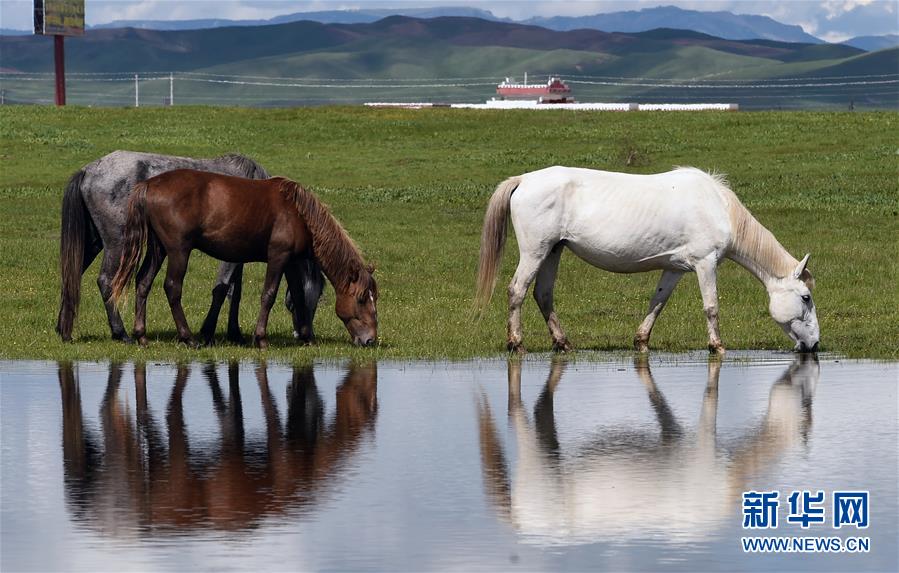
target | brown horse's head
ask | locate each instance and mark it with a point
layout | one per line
(357, 308)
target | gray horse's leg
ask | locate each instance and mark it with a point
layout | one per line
(302, 321)
(229, 274)
(236, 290)
(108, 268)
(312, 284)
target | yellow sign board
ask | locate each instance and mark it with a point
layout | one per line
(59, 17)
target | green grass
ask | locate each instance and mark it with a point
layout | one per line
(410, 187)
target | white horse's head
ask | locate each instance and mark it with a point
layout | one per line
(792, 307)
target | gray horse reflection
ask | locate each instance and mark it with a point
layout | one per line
(629, 484)
(138, 475)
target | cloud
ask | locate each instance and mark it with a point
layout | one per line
(836, 8)
(849, 18)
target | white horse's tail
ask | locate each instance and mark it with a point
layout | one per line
(493, 239)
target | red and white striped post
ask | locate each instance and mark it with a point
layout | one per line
(59, 56)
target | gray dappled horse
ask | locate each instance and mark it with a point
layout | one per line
(94, 207)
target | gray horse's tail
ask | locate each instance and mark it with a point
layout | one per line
(73, 239)
(493, 239)
(135, 235)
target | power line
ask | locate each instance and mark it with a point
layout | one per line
(467, 79)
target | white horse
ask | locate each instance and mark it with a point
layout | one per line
(680, 221)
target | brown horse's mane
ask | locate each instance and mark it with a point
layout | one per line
(338, 255)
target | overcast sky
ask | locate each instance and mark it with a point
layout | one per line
(833, 20)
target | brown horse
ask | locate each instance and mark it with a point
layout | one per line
(241, 220)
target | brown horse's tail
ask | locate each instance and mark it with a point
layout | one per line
(73, 238)
(134, 239)
(493, 239)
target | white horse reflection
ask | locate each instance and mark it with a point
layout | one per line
(630, 484)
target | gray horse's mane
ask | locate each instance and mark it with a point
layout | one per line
(249, 168)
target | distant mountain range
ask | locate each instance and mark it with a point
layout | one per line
(139, 49)
(361, 16)
(874, 43)
(721, 24)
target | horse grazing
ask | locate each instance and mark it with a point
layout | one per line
(240, 221)
(680, 221)
(94, 208)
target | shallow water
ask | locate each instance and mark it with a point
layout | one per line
(534, 465)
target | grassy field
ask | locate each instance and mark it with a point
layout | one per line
(410, 187)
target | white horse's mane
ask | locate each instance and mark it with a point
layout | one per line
(750, 240)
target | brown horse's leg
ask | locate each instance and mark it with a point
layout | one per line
(273, 273)
(145, 277)
(174, 280)
(302, 321)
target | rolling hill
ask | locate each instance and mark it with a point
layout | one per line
(357, 16)
(720, 23)
(462, 57)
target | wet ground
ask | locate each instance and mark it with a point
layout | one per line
(603, 464)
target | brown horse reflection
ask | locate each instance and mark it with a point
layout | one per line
(139, 476)
(629, 484)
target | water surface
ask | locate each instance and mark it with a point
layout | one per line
(487, 465)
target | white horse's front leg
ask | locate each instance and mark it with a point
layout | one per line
(706, 273)
(518, 290)
(667, 282)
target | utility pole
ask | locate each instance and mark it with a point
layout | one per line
(136, 92)
(59, 19)
(171, 89)
(59, 55)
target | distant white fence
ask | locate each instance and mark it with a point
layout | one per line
(533, 105)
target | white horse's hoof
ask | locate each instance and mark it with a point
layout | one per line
(516, 348)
